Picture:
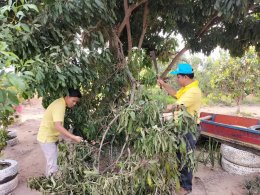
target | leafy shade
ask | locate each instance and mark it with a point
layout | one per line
(88, 44)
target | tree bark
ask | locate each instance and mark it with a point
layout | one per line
(128, 28)
(122, 63)
(133, 85)
(238, 104)
(130, 9)
(146, 12)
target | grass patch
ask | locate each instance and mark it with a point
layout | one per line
(208, 151)
(3, 138)
(246, 114)
(251, 100)
(212, 99)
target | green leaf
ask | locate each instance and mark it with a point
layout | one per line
(28, 62)
(3, 46)
(20, 14)
(183, 146)
(4, 9)
(25, 27)
(10, 2)
(2, 72)
(10, 55)
(2, 96)
(58, 68)
(101, 37)
(99, 3)
(9, 108)
(17, 82)
(31, 6)
(28, 73)
(132, 114)
(12, 97)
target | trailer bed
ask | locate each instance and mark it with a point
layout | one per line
(232, 129)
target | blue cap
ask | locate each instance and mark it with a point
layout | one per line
(183, 68)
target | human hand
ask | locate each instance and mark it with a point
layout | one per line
(94, 142)
(77, 139)
(169, 108)
(160, 82)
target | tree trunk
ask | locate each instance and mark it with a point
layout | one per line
(128, 28)
(128, 13)
(238, 105)
(146, 12)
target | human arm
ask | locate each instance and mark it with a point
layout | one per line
(167, 88)
(59, 127)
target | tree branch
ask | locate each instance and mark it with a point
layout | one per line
(120, 155)
(146, 11)
(123, 64)
(204, 29)
(208, 25)
(174, 60)
(133, 85)
(103, 138)
(128, 29)
(128, 14)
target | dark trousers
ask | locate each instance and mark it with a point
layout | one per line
(186, 174)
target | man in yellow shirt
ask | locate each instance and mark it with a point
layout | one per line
(190, 96)
(52, 126)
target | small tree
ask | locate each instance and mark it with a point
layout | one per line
(237, 77)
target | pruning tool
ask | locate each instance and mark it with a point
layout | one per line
(92, 143)
(84, 141)
(152, 54)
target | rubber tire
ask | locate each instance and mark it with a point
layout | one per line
(237, 169)
(12, 133)
(12, 142)
(9, 171)
(240, 157)
(9, 186)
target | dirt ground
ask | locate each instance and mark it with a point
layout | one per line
(31, 162)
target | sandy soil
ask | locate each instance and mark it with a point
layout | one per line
(27, 153)
(31, 162)
(246, 110)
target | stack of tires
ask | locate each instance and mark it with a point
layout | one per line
(239, 161)
(8, 176)
(13, 140)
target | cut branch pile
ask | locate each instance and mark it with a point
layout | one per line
(145, 158)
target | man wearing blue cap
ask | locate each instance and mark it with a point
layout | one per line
(190, 96)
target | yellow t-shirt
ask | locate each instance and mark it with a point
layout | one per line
(54, 113)
(191, 97)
